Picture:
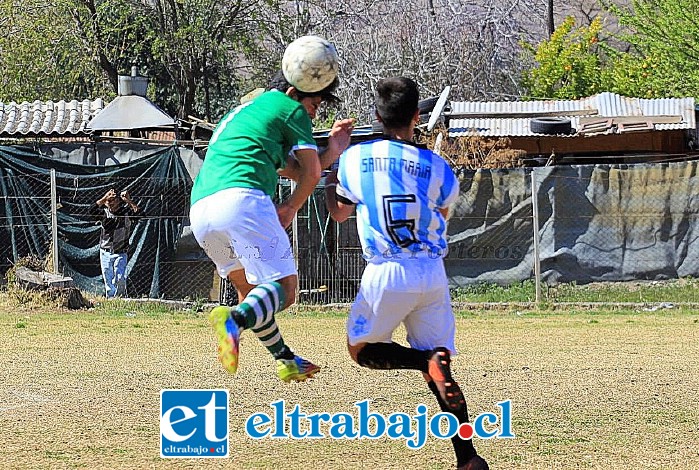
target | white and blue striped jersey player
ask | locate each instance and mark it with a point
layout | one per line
(398, 189)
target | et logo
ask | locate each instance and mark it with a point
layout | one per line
(193, 423)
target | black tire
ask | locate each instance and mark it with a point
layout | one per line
(550, 125)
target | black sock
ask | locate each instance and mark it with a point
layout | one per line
(239, 319)
(284, 353)
(463, 449)
(392, 356)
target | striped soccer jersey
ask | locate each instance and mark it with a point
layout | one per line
(398, 188)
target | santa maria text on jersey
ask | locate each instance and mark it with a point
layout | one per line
(372, 164)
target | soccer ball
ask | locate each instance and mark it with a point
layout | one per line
(310, 63)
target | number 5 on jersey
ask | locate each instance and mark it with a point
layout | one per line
(401, 231)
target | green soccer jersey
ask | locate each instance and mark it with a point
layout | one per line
(251, 143)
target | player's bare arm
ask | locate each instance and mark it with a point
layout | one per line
(338, 210)
(309, 175)
(291, 170)
(338, 141)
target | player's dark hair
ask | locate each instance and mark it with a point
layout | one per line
(396, 100)
(279, 82)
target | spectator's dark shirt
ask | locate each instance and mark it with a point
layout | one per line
(116, 227)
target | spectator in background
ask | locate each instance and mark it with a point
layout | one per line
(117, 215)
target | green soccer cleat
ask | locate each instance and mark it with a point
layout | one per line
(228, 337)
(297, 369)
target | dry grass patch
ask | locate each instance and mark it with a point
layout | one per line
(475, 152)
(589, 390)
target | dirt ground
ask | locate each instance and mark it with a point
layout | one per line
(588, 390)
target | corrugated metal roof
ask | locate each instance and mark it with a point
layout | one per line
(512, 118)
(80, 118)
(47, 117)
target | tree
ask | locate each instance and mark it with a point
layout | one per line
(40, 60)
(664, 39)
(191, 49)
(472, 46)
(201, 55)
(200, 46)
(549, 17)
(568, 65)
(653, 54)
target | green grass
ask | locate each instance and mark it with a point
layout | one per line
(120, 307)
(677, 291)
(486, 292)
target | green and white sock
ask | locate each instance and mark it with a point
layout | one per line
(258, 309)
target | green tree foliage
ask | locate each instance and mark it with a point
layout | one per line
(662, 62)
(568, 64)
(633, 75)
(40, 57)
(193, 51)
(111, 34)
(199, 52)
(655, 56)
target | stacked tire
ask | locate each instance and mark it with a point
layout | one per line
(550, 126)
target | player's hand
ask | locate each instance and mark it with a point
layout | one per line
(124, 196)
(286, 214)
(109, 195)
(339, 136)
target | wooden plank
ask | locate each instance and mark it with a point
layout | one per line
(592, 122)
(596, 126)
(665, 119)
(41, 279)
(635, 126)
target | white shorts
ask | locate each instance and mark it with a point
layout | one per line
(238, 228)
(412, 292)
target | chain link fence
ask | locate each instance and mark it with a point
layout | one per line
(25, 221)
(602, 228)
(65, 230)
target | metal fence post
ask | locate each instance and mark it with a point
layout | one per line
(295, 237)
(535, 223)
(54, 222)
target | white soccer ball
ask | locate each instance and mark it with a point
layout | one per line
(310, 63)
